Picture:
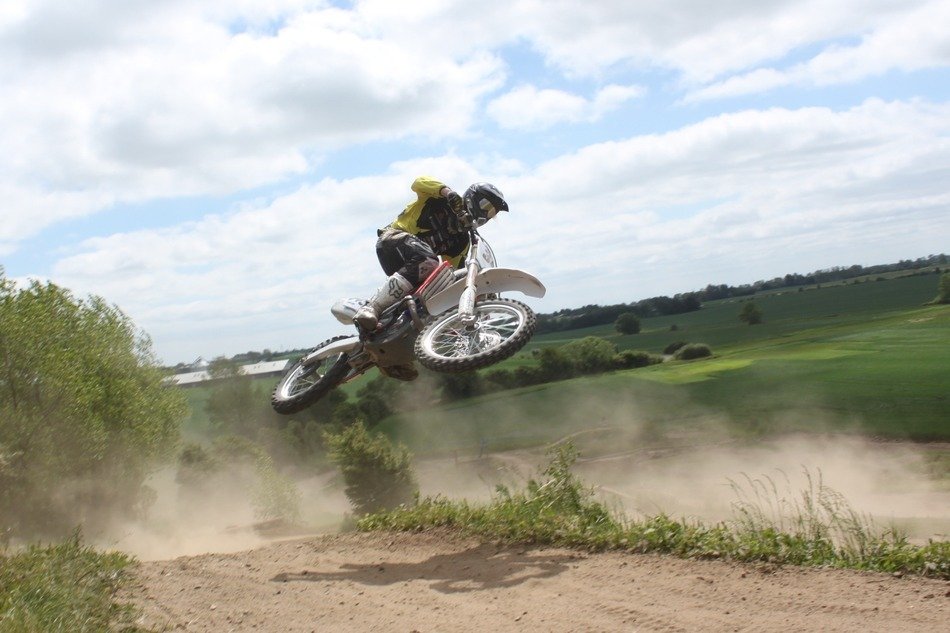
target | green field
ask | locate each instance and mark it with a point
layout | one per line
(865, 358)
(785, 313)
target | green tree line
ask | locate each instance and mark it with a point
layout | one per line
(593, 315)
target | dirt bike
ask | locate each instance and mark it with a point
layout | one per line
(454, 321)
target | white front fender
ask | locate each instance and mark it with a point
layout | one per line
(492, 280)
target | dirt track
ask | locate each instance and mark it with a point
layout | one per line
(438, 582)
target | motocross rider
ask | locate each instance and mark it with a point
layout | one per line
(434, 225)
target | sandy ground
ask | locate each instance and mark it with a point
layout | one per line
(439, 582)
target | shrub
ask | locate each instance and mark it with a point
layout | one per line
(460, 386)
(377, 475)
(628, 359)
(554, 365)
(234, 462)
(84, 414)
(526, 376)
(671, 349)
(590, 355)
(943, 290)
(499, 379)
(693, 351)
(65, 587)
(377, 399)
(559, 509)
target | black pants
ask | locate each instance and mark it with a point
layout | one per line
(404, 253)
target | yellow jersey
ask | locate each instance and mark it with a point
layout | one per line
(431, 219)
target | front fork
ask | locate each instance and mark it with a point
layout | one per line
(467, 300)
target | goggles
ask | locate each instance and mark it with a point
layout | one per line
(489, 209)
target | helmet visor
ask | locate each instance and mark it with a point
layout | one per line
(488, 209)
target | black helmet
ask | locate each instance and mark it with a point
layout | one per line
(483, 200)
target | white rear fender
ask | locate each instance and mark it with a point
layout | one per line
(342, 346)
(345, 309)
(492, 280)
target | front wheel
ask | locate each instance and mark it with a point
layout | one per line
(501, 328)
(301, 385)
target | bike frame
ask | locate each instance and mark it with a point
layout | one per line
(480, 281)
(462, 295)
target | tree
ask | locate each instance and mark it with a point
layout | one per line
(467, 384)
(554, 365)
(377, 399)
(376, 474)
(84, 412)
(236, 405)
(750, 313)
(943, 290)
(628, 323)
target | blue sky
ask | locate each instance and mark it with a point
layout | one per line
(218, 169)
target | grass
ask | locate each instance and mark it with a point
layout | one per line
(66, 587)
(717, 323)
(557, 509)
(863, 357)
(881, 374)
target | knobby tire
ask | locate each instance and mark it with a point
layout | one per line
(286, 403)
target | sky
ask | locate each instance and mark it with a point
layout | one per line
(218, 168)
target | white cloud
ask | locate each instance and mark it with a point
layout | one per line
(527, 107)
(652, 214)
(912, 41)
(136, 101)
(132, 101)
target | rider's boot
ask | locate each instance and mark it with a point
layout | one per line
(395, 288)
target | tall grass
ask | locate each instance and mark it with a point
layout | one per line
(817, 513)
(66, 587)
(820, 529)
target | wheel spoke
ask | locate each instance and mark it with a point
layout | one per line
(304, 378)
(492, 328)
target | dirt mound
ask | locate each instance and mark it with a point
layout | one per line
(440, 582)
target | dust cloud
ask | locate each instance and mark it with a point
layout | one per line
(633, 455)
(219, 518)
(885, 483)
(696, 466)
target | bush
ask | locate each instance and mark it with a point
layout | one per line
(590, 355)
(236, 405)
(65, 587)
(693, 351)
(628, 359)
(560, 510)
(499, 379)
(84, 414)
(554, 365)
(943, 290)
(672, 348)
(377, 476)
(460, 386)
(207, 476)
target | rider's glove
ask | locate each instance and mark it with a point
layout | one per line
(455, 202)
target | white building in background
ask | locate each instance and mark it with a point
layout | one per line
(192, 378)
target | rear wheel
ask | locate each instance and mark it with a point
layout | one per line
(501, 328)
(302, 385)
